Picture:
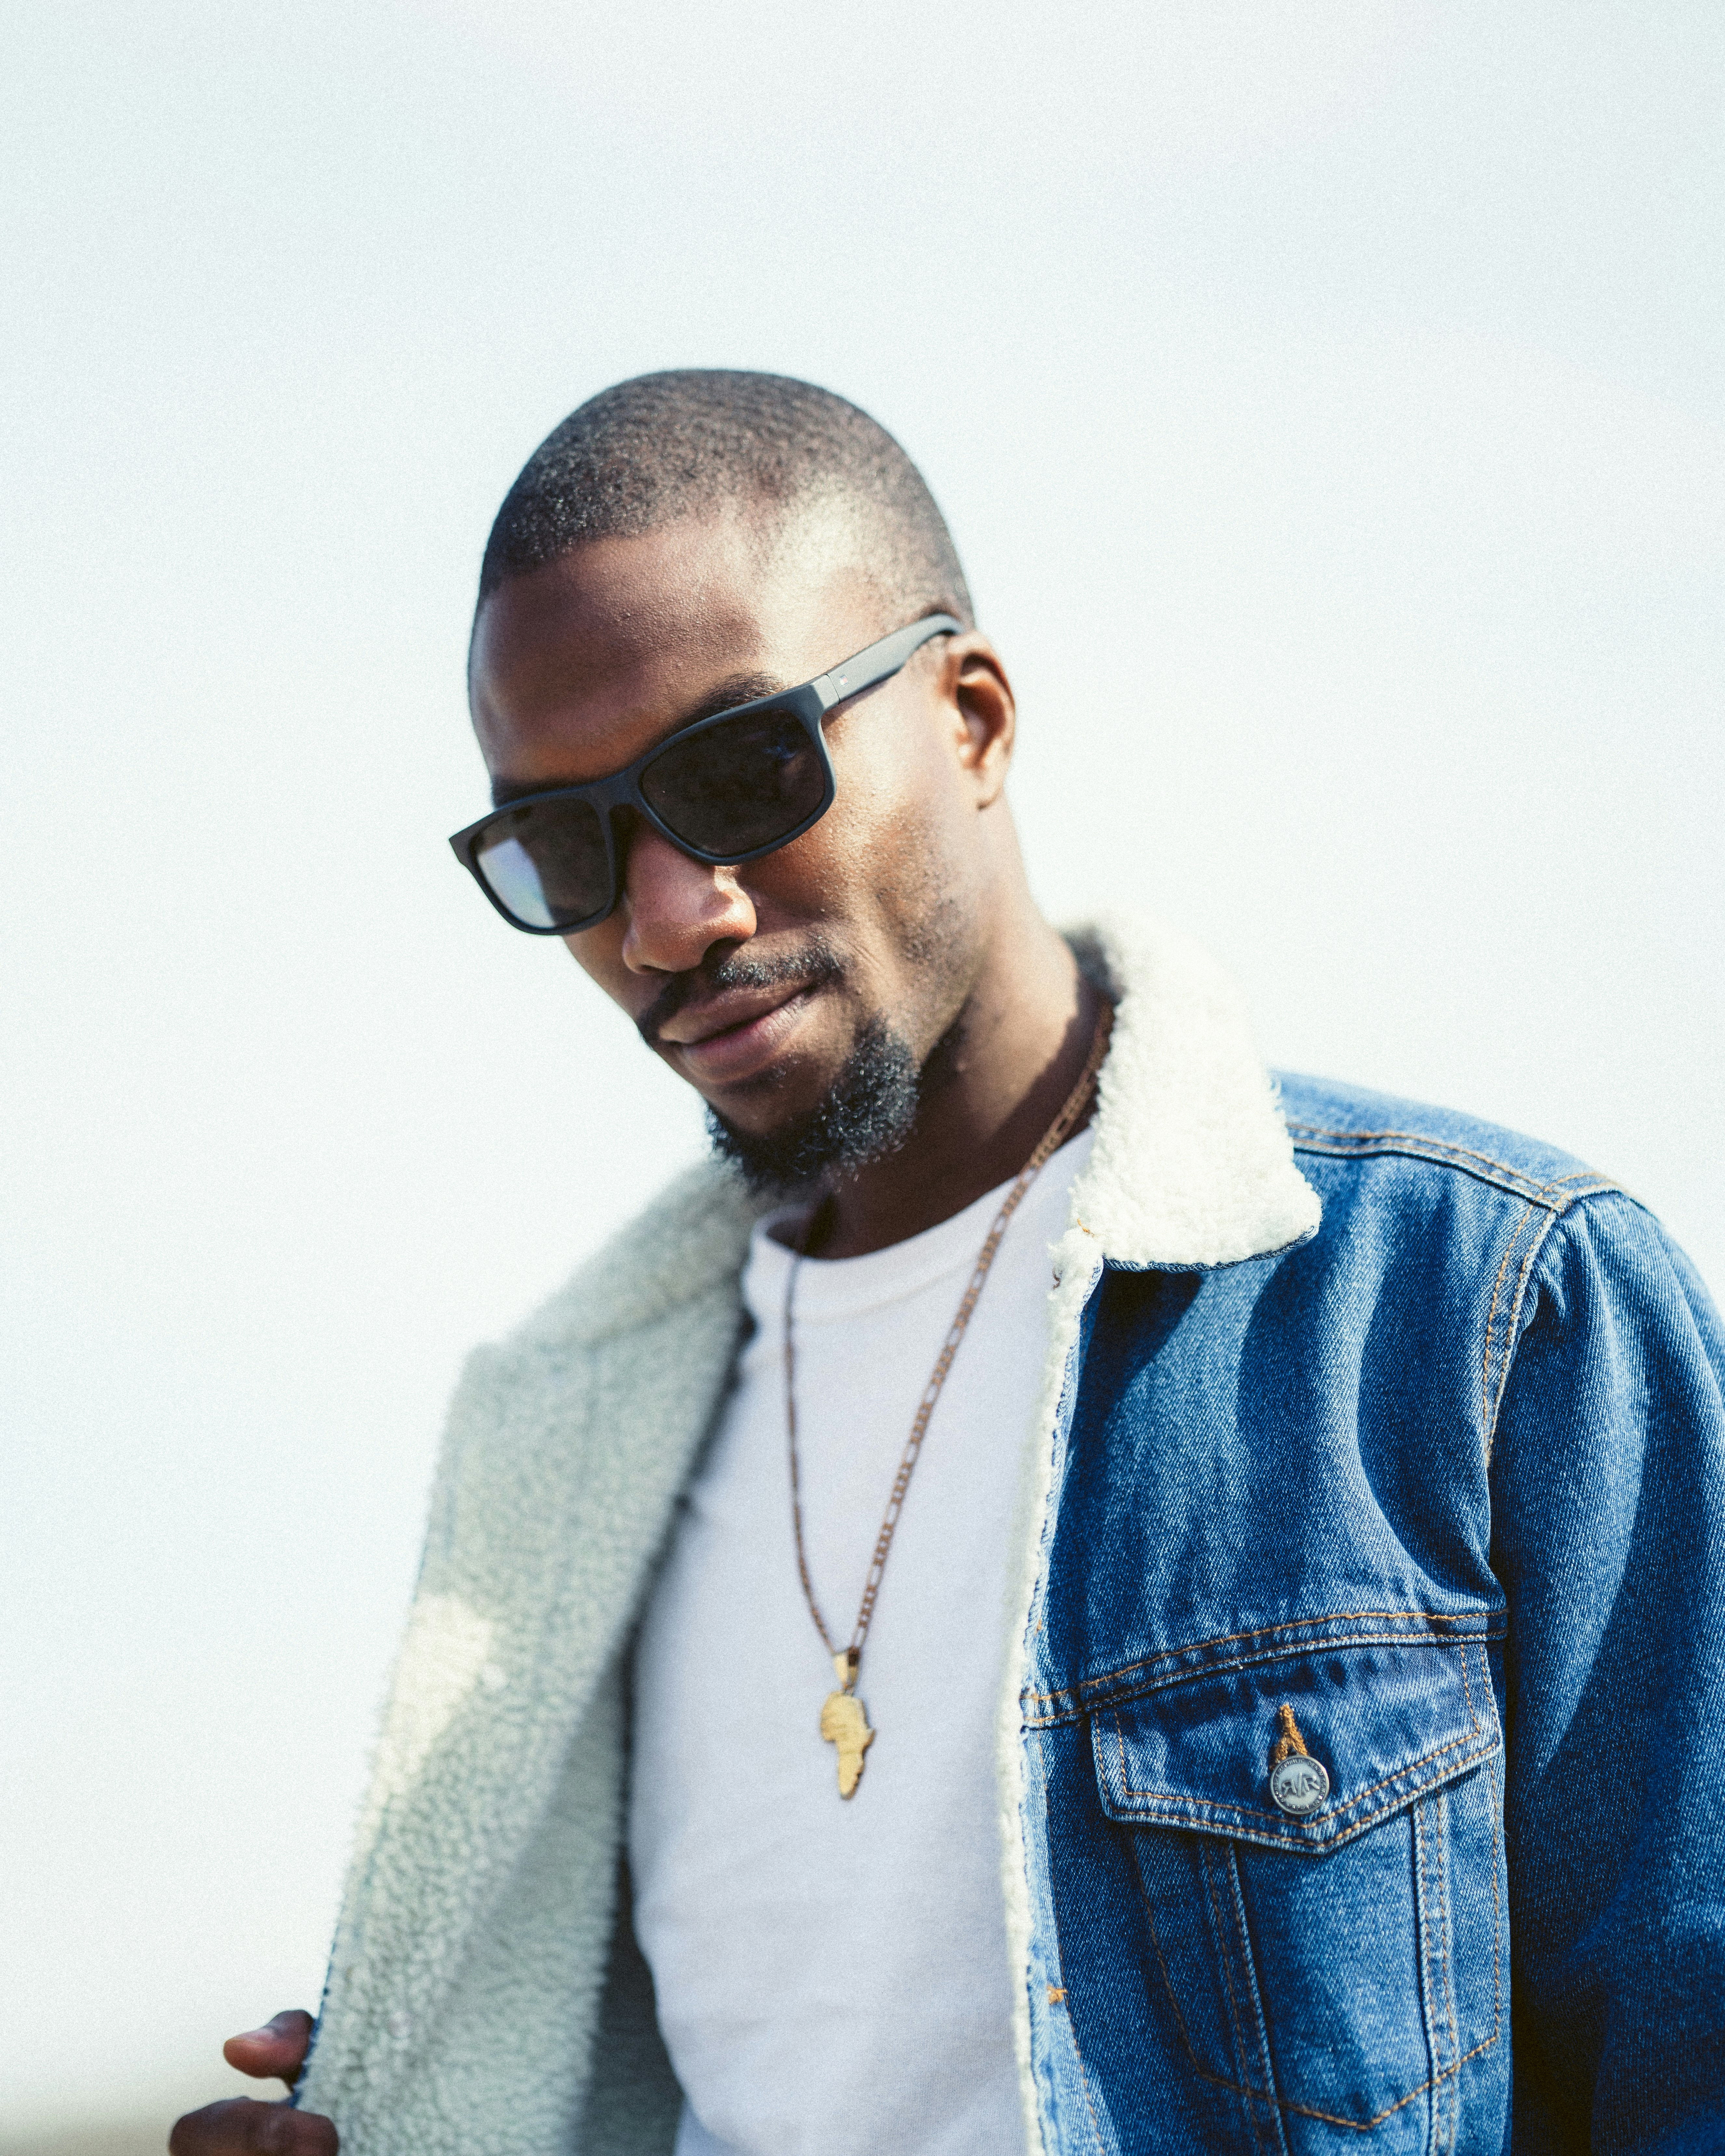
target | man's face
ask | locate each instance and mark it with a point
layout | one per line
(757, 984)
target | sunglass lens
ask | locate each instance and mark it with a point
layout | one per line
(547, 863)
(733, 788)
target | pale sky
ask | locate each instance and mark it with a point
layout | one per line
(1330, 405)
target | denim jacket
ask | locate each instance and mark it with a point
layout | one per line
(1445, 1480)
(1361, 1750)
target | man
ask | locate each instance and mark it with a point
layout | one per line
(1283, 1708)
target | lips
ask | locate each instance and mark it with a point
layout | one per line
(736, 1034)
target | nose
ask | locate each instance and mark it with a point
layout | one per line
(676, 909)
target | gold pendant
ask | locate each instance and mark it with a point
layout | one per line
(844, 1724)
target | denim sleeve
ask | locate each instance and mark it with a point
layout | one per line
(1608, 1480)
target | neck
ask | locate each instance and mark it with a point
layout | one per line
(991, 1088)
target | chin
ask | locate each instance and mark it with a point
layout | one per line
(867, 1110)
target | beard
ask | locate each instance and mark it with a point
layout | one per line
(869, 1112)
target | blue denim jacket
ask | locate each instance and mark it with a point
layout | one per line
(1387, 1472)
(1446, 1482)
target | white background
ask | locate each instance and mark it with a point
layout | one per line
(1327, 403)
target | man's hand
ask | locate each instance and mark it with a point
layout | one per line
(276, 2051)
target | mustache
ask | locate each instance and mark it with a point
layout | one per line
(816, 964)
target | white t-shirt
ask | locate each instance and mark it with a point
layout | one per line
(832, 1974)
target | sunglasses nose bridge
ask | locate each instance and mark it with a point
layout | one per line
(627, 815)
(629, 820)
(626, 812)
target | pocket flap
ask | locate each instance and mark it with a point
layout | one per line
(1380, 1726)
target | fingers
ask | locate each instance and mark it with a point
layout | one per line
(242, 2125)
(277, 2049)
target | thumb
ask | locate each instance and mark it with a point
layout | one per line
(275, 2051)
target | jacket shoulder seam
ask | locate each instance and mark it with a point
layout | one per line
(1504, 1339)
(1555, 1193)
(1501, 1340)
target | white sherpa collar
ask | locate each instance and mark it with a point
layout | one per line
(1191, 1164)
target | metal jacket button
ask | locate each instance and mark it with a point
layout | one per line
(1298, 1783)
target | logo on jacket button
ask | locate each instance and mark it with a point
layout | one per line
(1299, 1785)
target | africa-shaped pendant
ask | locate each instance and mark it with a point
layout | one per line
(844, 1724)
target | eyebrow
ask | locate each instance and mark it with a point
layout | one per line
(723, 696)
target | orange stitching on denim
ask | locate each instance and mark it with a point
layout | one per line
(1365, 2125)
(1435, 1939)
(1331, 2118)
(1422, 1931)
(1511, 1323)
(1253, 2096)
(1353, 2125)
(1453, 2092)
(1251, 1811)
(1227, 1961)
(1193, 1817)
(1342, 1643)
(1440, 1850)
(1207, 1858)
(1262, 1632)
(1408, 1138)
(1535, 1245)
(1459, 1153)
(1307, 2110)
(1204, 1859)
(1056, 1993)
(1168, 1981)
(1509, 1251)
(1235, 1890)
(1440, 2075)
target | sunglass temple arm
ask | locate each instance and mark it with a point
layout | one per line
(880, 659)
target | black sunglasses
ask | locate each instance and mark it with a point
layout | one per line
(726, 790)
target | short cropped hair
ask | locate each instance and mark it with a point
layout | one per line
(694, 441)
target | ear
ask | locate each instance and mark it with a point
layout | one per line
(985, 713)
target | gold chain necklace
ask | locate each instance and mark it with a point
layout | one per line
(842, 1722)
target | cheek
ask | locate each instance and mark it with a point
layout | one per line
(889, 862)
(598, 953)
(861, 862)
(898, 800)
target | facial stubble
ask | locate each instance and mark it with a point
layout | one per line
(867, 1112)
(870, 1108)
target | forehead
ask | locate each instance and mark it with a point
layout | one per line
(581, 666)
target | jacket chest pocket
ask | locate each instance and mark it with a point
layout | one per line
(1316, 1841)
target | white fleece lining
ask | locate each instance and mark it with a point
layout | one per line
(463, 1987)
(1076, 1263)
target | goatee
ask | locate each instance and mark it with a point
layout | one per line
(869, 1112)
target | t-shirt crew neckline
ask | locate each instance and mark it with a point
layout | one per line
(830, 1289)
